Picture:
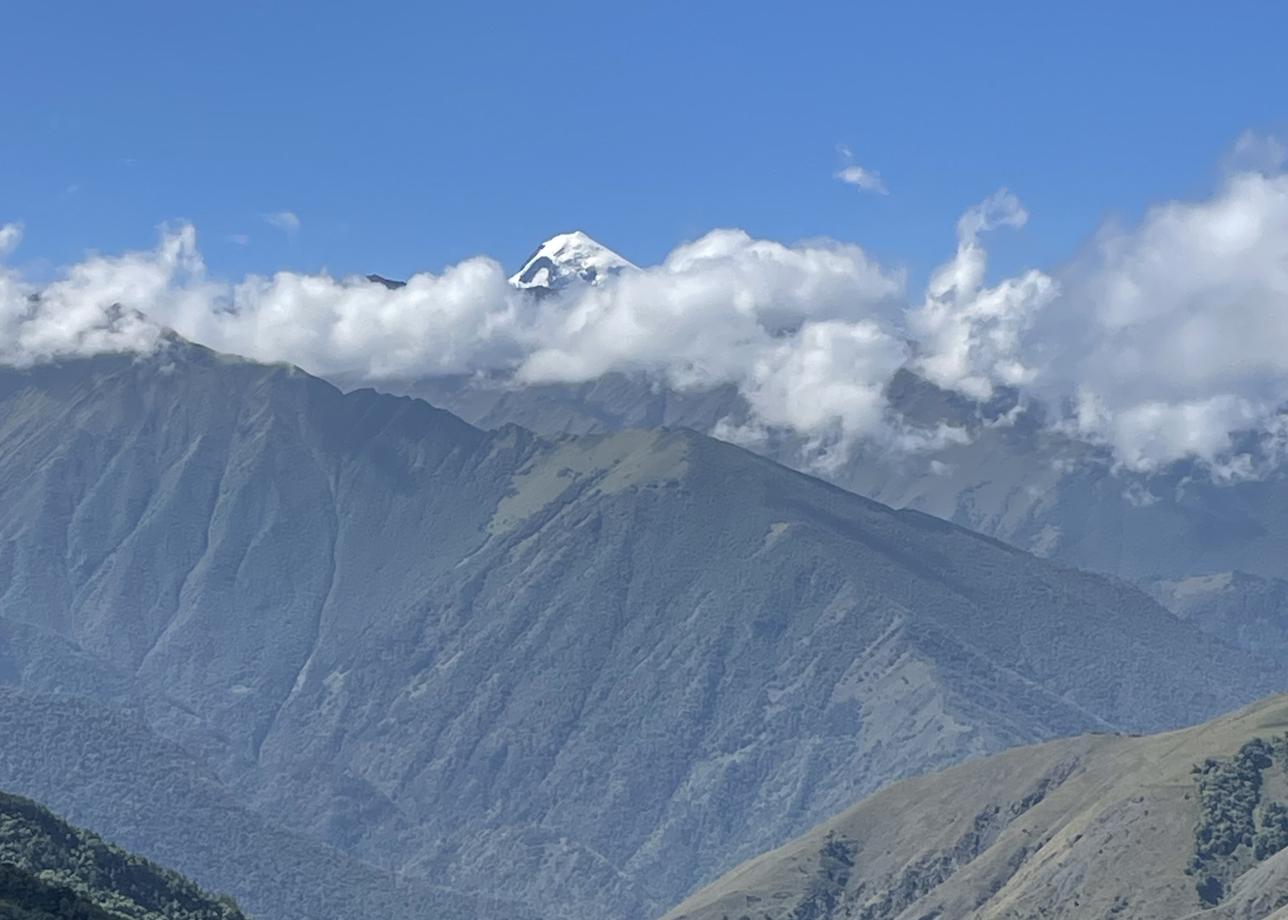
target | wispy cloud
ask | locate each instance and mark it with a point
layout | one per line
(860, 177)
(286, 221)
(239, 239)
(10, 237)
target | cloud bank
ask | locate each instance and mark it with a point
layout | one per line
(1173, 335)
(1163, 340)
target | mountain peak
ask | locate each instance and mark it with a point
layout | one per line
(569, 258)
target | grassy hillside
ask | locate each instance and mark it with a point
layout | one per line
(1191, 823)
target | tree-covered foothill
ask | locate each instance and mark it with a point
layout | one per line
(49, 869)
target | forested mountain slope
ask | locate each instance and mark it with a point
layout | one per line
(583, 673)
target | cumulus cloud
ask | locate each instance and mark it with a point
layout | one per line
(825, 382)
(99, 305)
(464, 319)
(1174, 333)
(286, 221)
(970, 337)
(805, 331)
(707, 312)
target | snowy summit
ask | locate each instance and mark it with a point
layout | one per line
(567, 259)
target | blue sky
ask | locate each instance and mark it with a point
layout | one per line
(407, 136)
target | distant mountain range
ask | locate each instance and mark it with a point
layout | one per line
(1191, 825)
(579, 674)
(1016, 478)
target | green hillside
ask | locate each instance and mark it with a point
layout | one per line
(49, 869)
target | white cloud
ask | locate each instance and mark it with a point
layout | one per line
(826, 382)
(707, 312)
(803, 330)
(852, 173)
(464, 319)
(970, 337)
(286, 221)
(1150, 434)
(239, 239)
(1174, 333)
(10, 237)
(85, 312)
(1257, 152)
(864, 179)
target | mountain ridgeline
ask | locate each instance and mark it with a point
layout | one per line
(1015, 479)
(580, 675)
(1189, 825)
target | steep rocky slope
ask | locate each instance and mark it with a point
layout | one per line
(583, 673)
(1192, 823)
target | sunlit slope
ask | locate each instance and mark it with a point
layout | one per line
(1095, 826)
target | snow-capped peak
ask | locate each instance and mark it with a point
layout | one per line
(569, 258)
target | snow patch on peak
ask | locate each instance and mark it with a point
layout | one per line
(569, 258)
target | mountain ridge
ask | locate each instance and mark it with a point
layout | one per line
(1097, 825)
(589, 672)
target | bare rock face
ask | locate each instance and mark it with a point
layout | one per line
(585, 674)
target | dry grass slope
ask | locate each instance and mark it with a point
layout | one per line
(1094, 826)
